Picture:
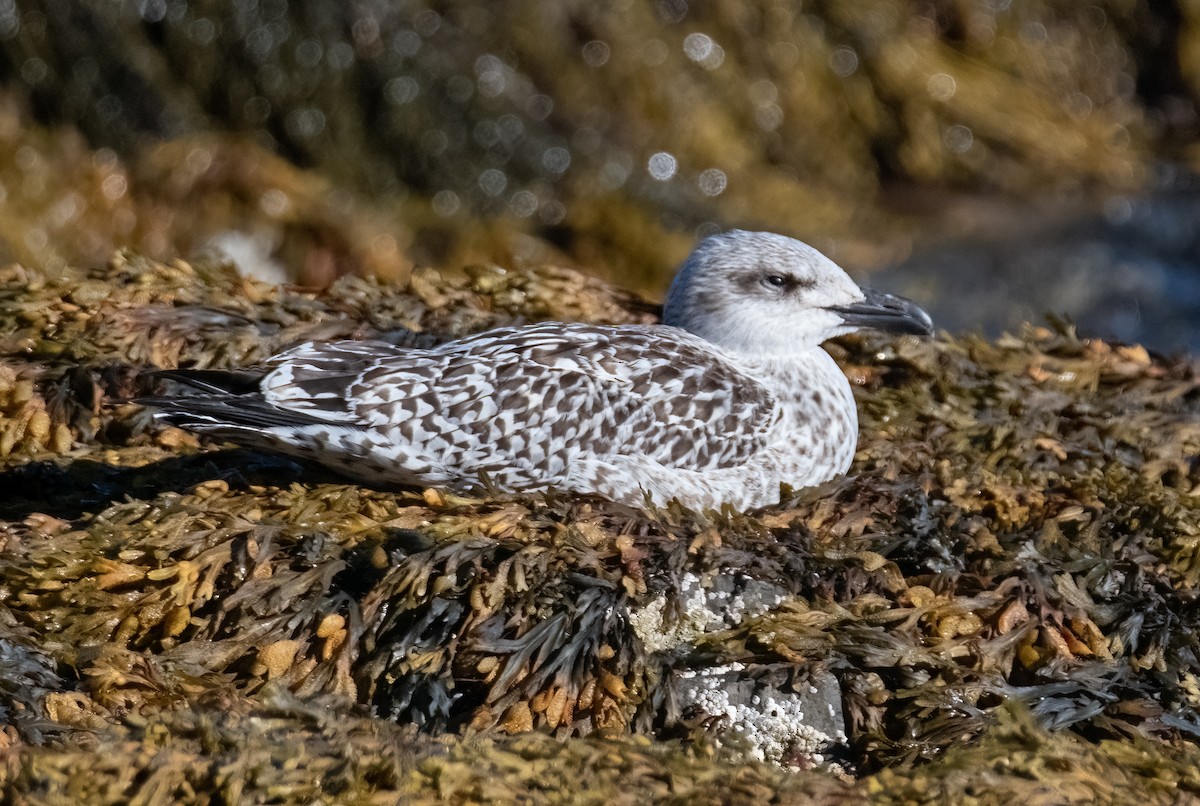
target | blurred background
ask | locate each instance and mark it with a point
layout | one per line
(995, 159)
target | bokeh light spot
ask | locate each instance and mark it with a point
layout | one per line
(662, 166)
(941, 86)
(445, 202)
(712, 182)
(596, 53)
(843, 61)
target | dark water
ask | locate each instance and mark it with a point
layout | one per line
(1127, 270)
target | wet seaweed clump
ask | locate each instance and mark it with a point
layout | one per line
(1000, 597)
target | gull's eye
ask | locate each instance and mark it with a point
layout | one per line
(775, 281)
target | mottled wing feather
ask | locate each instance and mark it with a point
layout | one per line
(529, 401)
(315, 378)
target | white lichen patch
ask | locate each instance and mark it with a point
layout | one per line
(730, 600)
(654, 630)
(771, 725)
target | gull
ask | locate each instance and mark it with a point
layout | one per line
(730, 397)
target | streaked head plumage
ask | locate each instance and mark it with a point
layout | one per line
(765, 294)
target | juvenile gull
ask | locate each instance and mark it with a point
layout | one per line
(731, 396)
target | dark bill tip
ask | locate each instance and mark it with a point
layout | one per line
(886, 312)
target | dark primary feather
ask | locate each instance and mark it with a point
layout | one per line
(212, 413)
(228, 381)
(230, 398)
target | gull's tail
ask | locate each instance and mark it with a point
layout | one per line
(226, 404)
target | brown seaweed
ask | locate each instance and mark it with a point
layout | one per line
(1010, 564)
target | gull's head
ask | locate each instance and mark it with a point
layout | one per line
(765, 294)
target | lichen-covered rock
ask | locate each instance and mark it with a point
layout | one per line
(783, 721)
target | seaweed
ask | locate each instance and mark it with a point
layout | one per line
(1000, 593)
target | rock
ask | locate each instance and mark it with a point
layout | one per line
(767, 721)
